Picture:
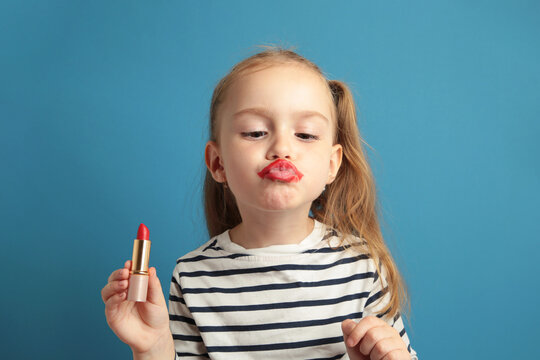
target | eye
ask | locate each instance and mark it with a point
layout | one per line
(305, 136)
(254, 134)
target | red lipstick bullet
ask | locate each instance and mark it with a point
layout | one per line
(138, 279)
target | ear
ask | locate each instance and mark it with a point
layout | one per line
(335, 162)
(214, 162)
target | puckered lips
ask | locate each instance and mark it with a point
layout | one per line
(281, 170)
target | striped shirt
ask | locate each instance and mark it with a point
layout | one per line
(279, 302)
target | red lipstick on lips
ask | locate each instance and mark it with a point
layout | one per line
(281, 170)
(138, 278)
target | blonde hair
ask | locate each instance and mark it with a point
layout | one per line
(348, 204)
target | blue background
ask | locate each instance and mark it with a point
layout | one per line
(103, 121)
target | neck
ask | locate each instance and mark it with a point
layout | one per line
(259, 230)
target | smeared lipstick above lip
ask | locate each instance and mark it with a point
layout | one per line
(281, 170)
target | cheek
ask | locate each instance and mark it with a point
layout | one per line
(317, 173)
(320, 163)
(238, 169)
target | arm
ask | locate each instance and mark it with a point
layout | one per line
(187, 338)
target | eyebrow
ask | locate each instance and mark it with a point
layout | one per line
(267, 114)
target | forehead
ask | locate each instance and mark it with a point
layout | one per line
(279, 88)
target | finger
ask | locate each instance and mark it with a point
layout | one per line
(397, 354)
(113, 288)
(386, 346)
(347, 327)
(119, 274)
(155, 292)
(112, 307)
(114, 300)
(362, 328)
(378, 341)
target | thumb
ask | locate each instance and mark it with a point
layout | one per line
(155, 292)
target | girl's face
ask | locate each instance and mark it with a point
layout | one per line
(280, 112)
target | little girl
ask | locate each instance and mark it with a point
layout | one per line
(296, 267)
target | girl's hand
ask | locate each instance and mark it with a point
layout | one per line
(144, 326)
(373, 339)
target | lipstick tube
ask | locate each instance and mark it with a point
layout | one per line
(138, 279)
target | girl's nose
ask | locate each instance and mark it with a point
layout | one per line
(280, 148)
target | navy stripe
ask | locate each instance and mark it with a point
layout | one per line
(380, 316)
(187, 338)
(182, 319)
(282, 325)
(376, 277)
(275, 306)
(184, 354)
(402, 332)
(330, 233)
(299, 284)
(176, 299)
(326, 250)
(279, 346)
(271, 268)
(323, 250)
(338, 356)
(374, 298)
(204, 257)
(211, 246)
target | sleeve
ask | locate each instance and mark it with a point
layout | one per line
(188, 342)
(376, 301)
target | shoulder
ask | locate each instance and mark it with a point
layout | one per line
(211, 248)
(206, 257)
(344, 242)
(208, 247)
(350, 246)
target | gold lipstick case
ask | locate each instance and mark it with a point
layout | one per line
(138, 279)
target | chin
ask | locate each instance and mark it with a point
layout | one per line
(282, 202)
(276, 205)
